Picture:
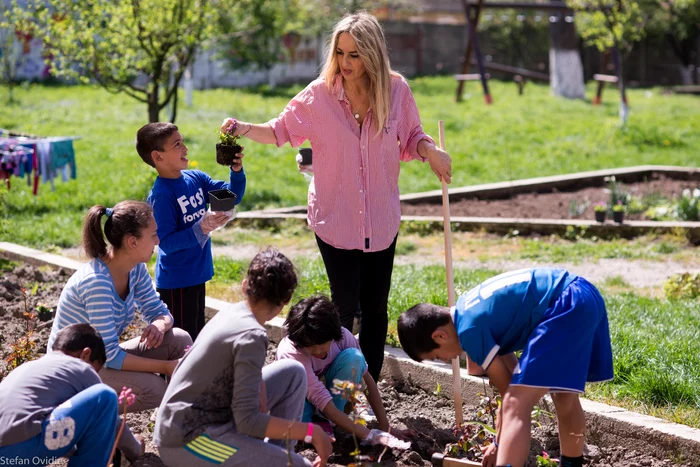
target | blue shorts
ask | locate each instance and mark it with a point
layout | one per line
(571, 344)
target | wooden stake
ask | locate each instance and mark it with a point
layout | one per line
(456, 379)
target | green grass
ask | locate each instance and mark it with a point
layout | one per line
(517, 137)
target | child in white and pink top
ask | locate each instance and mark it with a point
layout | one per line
(328, 351)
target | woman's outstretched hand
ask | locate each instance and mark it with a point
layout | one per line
(240, 127)
(441, 163)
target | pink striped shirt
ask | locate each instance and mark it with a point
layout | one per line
(354, 195)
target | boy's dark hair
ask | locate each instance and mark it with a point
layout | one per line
(313, 321)
(416, 326)
(76, 337)
(152, 137)
(271, 277)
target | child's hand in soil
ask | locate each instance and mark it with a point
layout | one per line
(490, 452)
(404, 435)
(323, 445)
(238, 161)
(153, 336)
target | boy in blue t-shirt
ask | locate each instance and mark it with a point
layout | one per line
(559, 322)
(179, 198)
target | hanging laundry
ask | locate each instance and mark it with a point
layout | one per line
(44, 156)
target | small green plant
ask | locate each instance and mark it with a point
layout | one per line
(351, 392)
(545, 461)
(43, 311)
(619, 207)
(682, 286)
(618, 195)
(688, 207)
(226, 134)
(600, 207)
(437, 390)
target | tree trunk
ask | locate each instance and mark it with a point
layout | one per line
(153, 104)
(565, 68)
(173, 112)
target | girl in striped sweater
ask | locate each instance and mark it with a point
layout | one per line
(105, 293)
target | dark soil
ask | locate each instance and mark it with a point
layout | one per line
(432, 417)
(552, 205)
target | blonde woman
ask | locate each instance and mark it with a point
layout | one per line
(361, 120)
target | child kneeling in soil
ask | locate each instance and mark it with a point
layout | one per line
(105, 293)
(560, 323)
(57, 406)
(215, 410)
(330, 352)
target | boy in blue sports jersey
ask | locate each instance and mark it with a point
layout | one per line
(179, 198)
(559, 322)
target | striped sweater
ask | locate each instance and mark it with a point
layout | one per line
(90, 297)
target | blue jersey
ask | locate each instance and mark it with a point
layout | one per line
(497, 316)
(178, 204)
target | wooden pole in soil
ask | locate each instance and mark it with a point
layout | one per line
(456, 379)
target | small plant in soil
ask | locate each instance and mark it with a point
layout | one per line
(476, 434)
(227, 147)
(618, 212)
(127, 398)
(599, 210)
(351, 392)
(44, 312)
(545, 461)
(23, 349)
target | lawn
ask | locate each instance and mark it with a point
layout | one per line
(517, 137)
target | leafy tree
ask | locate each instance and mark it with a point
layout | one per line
(679, 22)
(614, 25)
(9, 60)
(606, 24)
(138, 47)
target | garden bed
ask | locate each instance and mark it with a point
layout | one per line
(557, 204)
(431, 415)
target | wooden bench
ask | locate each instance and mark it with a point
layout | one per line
(602, 79)
(471, 77)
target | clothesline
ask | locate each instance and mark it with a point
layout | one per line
(22, 153)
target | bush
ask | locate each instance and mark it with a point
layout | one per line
(682, 286)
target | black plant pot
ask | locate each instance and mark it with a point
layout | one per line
(222, 200)
(600, 216)
(306, 156)
(225, 155)
(45, 316)
(618, 216)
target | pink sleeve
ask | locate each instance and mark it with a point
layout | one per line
(294, 124)
(410, 131)
(316, 391)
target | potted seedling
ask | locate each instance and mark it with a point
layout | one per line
(227, 147)
(43, 312)
(599, 209)
(618, 212)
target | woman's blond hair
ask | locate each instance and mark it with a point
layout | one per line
(371, 47)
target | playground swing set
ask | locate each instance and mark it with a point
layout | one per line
(472, 12)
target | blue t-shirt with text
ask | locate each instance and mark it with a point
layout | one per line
(178, 203)
(497, 316)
